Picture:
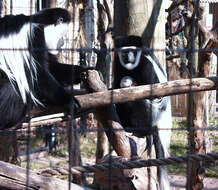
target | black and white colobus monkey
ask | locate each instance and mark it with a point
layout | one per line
(134, 67)
(29, 71)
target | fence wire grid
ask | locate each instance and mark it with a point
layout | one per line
(44, 138)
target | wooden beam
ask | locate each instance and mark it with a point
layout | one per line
(14, 177)
(104, 98)
(101, 99)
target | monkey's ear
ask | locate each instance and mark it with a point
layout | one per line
(51, 16)
(122, 41)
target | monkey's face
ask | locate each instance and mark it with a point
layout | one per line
(129, 57)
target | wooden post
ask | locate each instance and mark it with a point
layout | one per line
(196, 117)
(196, 136)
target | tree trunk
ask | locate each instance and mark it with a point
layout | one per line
(199, 67)
(52, 3)
(196, 136)
(144, 18)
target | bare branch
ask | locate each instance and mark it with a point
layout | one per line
(100, 99)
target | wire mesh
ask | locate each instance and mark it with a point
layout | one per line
(69, 55)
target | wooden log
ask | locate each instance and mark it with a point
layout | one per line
(14, 177)
(122, 144)
(123, 95)
(101, 99)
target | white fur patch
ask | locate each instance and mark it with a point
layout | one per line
(160, 74)
(15, 58)
(53, 33)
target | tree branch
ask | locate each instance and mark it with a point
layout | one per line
(107, 97)
(158, 90)
(123, 145)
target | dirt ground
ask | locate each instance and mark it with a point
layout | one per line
(178, 183)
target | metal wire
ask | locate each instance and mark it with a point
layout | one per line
(208, 1)
(130, 164)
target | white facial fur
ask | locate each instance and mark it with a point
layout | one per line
(54, 33)
(130, 65)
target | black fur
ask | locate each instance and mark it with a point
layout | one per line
(122, 41)
(50, 16)
(52, 76)
(11, 24)
(138, 116)
(145, 116)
